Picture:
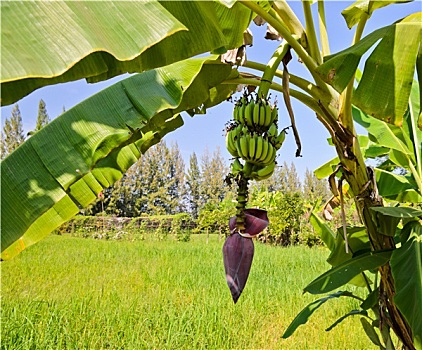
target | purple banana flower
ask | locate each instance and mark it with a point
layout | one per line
(238, 250)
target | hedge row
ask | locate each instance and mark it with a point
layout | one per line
(182, 221)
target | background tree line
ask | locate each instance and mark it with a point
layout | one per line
(161, 184)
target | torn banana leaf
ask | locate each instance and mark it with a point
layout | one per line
(56, 45)
(64, 166)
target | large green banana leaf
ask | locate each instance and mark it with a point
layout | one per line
(388, 73)
(403, 145)
(406, 266)
(64, 166)
(50, 42)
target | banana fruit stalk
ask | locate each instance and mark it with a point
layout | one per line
(253, 140)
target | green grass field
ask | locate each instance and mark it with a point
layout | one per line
(74, 293)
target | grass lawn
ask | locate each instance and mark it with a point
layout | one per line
(75, 293)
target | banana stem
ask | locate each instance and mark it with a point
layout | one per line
(271, 68)
(242, 199)
(304, 84)
(310, 31)
(315, 91)
(416, 176)
(276, 22)
(345, 114)
(305, 99)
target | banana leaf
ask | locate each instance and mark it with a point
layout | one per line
(323, 230)
(404, 147)
(406, 267)
(399, 212)
(327, 169)
(393, 186)
(388, 71)
(344, 272)
(371, 332)
(360, 8)
(64, 166)
(304, 315)
(50, 42)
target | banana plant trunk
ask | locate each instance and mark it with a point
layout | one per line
(363, 186)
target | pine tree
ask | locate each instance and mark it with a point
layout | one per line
(153, 185)
(161, 181)
(193, 184)
(274, 183)
(293, 184)
(314, 188)
(176, 188)
(42, 118)
(285, 179)
(213, 174)
(12, 135)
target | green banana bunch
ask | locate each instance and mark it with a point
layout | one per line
(253, 138)
(255, 149)
(262, 114)
(255, 114)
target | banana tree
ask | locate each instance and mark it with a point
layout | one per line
(63, 167)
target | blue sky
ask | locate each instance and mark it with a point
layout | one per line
(206, 131)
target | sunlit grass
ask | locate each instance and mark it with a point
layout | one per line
(73, 293)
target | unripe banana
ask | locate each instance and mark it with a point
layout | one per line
(265, 147)
(243, 148)
(274, 115)
(236, 113)
(236, 166)
(248, 116)
(248, 142)
(272, 131)
(280, 139)
(252, 147)
(267, 120)
(237, 131)
(262, 106)
(265, 172)
(270, 155)
(230, 145)
(256, 111)
(259, 147)
(241, 115)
